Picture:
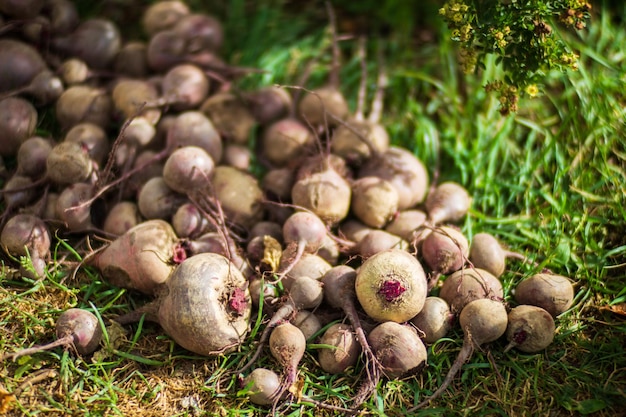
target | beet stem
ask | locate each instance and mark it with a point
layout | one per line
(64, 341)
(333, 78)
(464, 354)
(292, 263)
(373, 368)
(360, 104)
(377, 104)
(124, 177)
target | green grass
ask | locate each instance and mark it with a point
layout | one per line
(549, 181)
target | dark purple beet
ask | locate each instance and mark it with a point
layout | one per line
(95, 41)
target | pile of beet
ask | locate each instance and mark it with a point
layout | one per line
(342, 240)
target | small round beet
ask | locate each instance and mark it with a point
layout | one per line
(553, 293)
(261, 385)
(530, 329)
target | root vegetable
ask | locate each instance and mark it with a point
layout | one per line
(188, 170)
(448, 202)
(269, 104)
(163, 15)
(202, 32)
(470, 284)
(70, 207)
(92, 138)
(323, 105)
(487, 253)
(131, 60)
(329, 250)
(530, 329)
(83, 104)
(267, 228)
(378, 241)
(69, 163)
(193, 128)
(18, 119)
(261, 386)
(391, 285)
(230, 116)
(435, 319)
(32, 155)
(398, 348)
(189, 221)
(355, 139)
(444, 250)
(142, 258)
(75, 327)
(238, 156)
(326, 193)
(287, 346)
(122, 217)
(343, 352)
(553, 293)
(285, 141)
(309, 265)
(278, 182)
(339, 292)
(408, 224)
(239, 194)
(130, 97)
(158, 201)
(206, 306)
(95, 41)
(270, 294)
(19, 64)
(18, 191)
(184, 87)
(305, 293)
(22, 9)
(303, 232)
(403, 170)
(307, 322)
(63, 16)
(354, 230)
(43, 89)
(374, 201)
(399, 351)
(483, 321)
(25, 233)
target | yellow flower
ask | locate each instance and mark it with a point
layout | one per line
(532, 90)
(443, 11)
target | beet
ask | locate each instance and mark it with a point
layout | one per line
(344, 351)
(96, 41)
(163, 15)
(19, 64)
(530, 329)
(470, 284)
(18, 119)
(142, 258)
(391, 285)
(261, 386)
(553, 293)
(404, 171)
(206, 306)
(483, 321)
(76, 328)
